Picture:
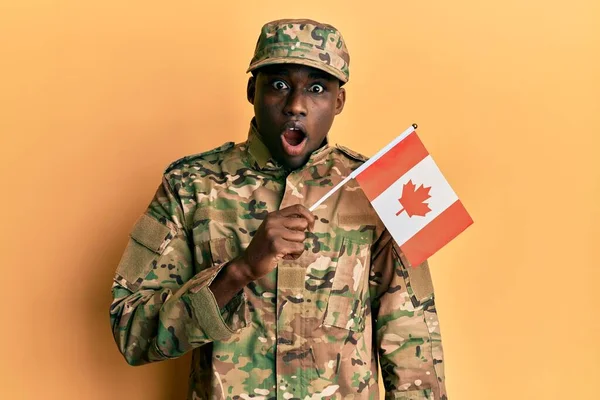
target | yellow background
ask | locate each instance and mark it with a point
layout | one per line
(96, 98)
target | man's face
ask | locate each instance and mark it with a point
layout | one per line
(294, 107)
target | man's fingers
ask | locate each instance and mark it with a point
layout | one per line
(293, 235)
(300, 210)
(286, 247)
(296, 223)
(292, 256)
(296, 248)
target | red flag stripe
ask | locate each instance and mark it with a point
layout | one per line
(436, 234)
(391, 166)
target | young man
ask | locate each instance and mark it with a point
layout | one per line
(273, 300)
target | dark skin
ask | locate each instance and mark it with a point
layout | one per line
(283, 94)
(288, 92)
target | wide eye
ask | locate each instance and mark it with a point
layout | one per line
(279, 85)
(317, 88)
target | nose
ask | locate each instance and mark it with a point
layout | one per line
(295, 104)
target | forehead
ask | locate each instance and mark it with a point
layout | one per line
(295, 70)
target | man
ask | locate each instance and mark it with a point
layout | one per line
(273, 300)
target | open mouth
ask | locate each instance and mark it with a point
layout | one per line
(293, 139)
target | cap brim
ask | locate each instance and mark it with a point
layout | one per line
(302, 61)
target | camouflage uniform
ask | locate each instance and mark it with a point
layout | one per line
(312, 328)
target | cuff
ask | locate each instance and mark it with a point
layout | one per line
(217, 324)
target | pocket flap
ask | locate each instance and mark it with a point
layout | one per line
(151, 234)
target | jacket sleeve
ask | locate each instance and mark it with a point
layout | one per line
(406, 326)
(162, 306)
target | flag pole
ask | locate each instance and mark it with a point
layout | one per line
(365, 165)
(328, 194)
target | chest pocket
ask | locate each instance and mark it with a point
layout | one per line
(213, 252)
(348, 296)
(214, 243)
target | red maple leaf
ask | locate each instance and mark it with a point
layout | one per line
(413, 200)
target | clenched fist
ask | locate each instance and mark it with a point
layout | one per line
(280, 237)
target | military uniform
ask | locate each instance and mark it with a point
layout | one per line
(312, 328)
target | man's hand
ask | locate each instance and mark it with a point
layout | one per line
(280, 237)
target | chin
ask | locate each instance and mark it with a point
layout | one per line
(295, 162)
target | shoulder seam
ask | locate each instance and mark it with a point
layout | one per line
(224, 147)
(351, 153)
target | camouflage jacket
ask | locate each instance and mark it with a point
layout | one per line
(313, 328)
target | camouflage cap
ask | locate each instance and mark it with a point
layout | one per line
(302, 41)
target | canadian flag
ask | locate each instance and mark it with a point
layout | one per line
(412, 197)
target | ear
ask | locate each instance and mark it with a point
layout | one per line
(251, 89)
(340, 100)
